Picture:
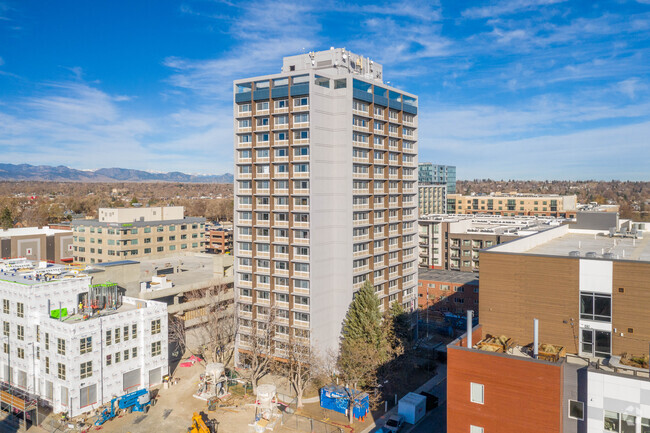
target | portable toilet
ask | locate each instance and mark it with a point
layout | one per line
(412, 407)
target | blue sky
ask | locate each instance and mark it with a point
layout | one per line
(512, 89)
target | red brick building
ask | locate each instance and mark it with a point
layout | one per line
(442, 291)
(218, 240)
(497, 392)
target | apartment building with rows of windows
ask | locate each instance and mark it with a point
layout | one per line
(432, 199)
(447, 291)
(218, 239)
(325, 194)
(127, 233)
(71, 345)
(513, 204)
(437, 174)
(453, 242)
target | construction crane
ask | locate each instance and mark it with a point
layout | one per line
(201, 424)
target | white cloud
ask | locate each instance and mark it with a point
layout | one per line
(506, 7)
(618, 152)
(631, 87)
(263, 32)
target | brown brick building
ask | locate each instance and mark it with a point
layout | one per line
(443, 291)
(589, 290)
(494, 392)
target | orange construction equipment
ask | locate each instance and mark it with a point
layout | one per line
(201, 424)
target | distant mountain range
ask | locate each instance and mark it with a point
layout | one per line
(66, 174)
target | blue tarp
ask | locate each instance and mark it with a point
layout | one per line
(337, 398)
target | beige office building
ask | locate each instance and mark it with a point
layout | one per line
(126, 233)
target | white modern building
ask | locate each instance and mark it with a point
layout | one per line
(75, 345)
(325, 193)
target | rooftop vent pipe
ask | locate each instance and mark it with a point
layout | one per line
(535, 338)
(470, 314)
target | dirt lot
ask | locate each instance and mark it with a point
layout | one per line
(173, 411)
(175, 405)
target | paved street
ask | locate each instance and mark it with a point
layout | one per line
(436, 420)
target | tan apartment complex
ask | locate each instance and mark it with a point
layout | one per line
(432, 199)
(513, 204)
(121, 233)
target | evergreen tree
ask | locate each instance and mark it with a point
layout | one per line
(366, 340)
(363, 321)
(6, 219)
(400, 324)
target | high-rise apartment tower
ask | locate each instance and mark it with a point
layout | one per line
(437, 174)
(325, 194)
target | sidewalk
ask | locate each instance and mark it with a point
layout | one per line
(441, 375)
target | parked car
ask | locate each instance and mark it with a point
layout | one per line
(394, 423)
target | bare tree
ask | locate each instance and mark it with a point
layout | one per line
(177, 334)
(258, 347)
(214, 336)
(301, 365)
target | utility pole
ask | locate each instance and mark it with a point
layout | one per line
(427, 311)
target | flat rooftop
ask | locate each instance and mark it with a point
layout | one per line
(80, 317)
(31, 231)
(28, 280)
(455, 277)
(187, 269)
(494, 224)
(563, 241)
(116, 263)
(621, 248)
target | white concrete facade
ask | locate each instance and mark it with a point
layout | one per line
(614, 396)
(72, 363)
(325, 192)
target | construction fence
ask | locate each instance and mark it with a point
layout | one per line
(302, 423)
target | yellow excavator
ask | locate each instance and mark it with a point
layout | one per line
(202, 424)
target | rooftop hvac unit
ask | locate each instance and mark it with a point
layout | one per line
(609, 256)
(574, 253)
(591, 255)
